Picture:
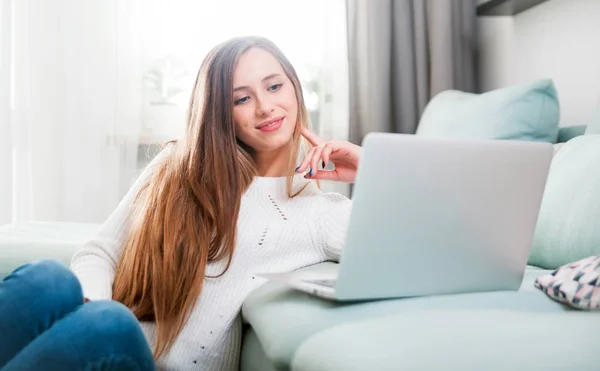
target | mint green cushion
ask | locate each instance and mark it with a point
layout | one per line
(23, 243)
(594, 125)
(253, 357)
(466, 340)
(568, 227)
(519, 112)
(567, 133)
(283, 318)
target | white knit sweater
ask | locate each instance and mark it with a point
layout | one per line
(275, 234)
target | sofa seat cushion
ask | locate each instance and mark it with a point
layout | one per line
(284, 318)
(462, 339)
(23, 243)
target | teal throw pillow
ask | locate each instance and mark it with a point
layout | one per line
(519, 112)
(568, 226)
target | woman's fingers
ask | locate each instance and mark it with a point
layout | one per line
(344, 155)
(306, 162)
(326, 175)
(312, 138)
(325, 154)
(319, 154)
(311, 162)
(314, 157)
(315, 160)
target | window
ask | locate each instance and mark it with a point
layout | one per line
(176, 35)
(94, 88)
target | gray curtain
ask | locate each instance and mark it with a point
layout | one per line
(402, 53)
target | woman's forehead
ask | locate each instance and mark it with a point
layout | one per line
(254, 66)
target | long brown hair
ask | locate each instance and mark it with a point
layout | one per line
(182, 217)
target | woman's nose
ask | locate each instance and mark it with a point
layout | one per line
(264, 106)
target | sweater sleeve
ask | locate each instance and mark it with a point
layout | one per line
(331, 224)
(95, 262)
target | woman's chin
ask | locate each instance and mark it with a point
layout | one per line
(274, 144)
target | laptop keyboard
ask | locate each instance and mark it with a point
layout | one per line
(327, 283)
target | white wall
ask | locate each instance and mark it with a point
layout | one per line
(559, 39)
(6, 135)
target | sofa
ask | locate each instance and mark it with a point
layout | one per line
(505, 330)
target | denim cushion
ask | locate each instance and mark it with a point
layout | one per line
(519, 112)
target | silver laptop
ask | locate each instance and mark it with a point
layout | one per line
(435, 216)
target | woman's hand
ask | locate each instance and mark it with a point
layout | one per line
(345, 157)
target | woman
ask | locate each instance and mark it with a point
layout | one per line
(172, 252)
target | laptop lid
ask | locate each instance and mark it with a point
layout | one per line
(439, 216)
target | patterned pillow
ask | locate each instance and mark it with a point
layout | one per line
(576, 284)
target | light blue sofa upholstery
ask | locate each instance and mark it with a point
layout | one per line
(467, 339)
(23, 243)
(297, 331)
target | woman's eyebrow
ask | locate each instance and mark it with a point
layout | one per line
(271, 76)
(266, 78)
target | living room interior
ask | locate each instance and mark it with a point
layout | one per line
(90, 92)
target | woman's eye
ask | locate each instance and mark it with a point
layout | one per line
(241, 100)
(274, 87)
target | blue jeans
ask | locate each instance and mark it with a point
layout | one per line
(44, 325)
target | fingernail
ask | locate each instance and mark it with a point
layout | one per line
(297, 169)
(323, 162)
(310, 173)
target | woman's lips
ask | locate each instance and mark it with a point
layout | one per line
(271, 125)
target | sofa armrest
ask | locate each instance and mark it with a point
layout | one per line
(23, 243)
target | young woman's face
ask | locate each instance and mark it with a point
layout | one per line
(265, 106)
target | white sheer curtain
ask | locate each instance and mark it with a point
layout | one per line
(89, 89)
(73, 107)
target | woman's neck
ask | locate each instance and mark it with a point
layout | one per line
(273, 163)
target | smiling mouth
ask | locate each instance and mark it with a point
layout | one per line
(270, 123)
